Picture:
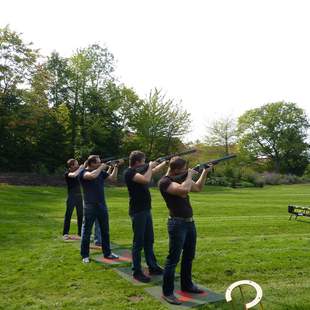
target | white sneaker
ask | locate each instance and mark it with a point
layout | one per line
(85, 260)
(65, 237)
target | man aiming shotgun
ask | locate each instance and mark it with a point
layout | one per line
(110, 162)
(137, 179)
(175, 187)
(74, 199)
(92, 179)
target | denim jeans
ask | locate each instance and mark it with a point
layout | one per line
(91, 213)
(74, 200)
(143, 238)
(97, 236)
(182, 237)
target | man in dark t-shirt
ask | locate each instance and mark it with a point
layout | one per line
(92, 179)
(181, 226)
(140, 213)
(74, 199)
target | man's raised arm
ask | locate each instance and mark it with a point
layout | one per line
(91, 175)
(76, 172)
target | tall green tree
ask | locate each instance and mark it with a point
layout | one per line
(91, 71)
(17, 61)
(277, 131)
(17, 65)
(59, 75)
(159, 123)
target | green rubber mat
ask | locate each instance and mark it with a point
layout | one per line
(126, 273)
(188, 300)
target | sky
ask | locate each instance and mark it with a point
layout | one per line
(218, 58)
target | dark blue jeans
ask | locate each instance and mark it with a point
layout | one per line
(182, 238)
(97, 235)
(91, 213)
(74, 200)
(143, 238)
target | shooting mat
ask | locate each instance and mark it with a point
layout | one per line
(188, 300)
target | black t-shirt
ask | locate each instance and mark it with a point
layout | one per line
(94, 189)
(139, 194)
(178, 206)
(73, 184)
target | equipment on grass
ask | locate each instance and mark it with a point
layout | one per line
(249, 305)
(298, 211)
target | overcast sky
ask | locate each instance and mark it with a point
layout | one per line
(220, 57)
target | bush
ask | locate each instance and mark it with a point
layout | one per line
(41, 169)
(245, 184)
(60, 171)
(272, 178)
(219, 181)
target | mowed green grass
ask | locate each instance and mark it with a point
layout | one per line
(242, 234)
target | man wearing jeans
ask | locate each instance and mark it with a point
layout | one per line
(92, 180)
(181, 226)
(97, 231)
(140, 213)
(74, 199)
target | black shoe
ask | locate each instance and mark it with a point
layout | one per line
(142, 277)
(111, 256)
(171, 299)
(158, 271)
(194, 290)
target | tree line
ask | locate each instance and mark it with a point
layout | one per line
(54, 107)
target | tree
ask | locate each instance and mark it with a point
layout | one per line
(91, 71)
(17, 65)
(222, 132)
(159, 123)
(277, 131)
(17, 61)
(59, 75)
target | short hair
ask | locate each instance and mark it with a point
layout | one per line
(92, 159)
(136, 156)
(70, 162)
(177, 163)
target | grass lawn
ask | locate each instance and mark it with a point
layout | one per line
(242, 234)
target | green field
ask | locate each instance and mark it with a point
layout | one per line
(242, 234)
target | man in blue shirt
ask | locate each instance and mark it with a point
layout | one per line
(92, 180)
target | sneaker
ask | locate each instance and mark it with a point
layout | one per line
(85, 260)
(171, 299)
(141, 277)
(193, 290)
(65, 237)
(111, 256)
(156, 271)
